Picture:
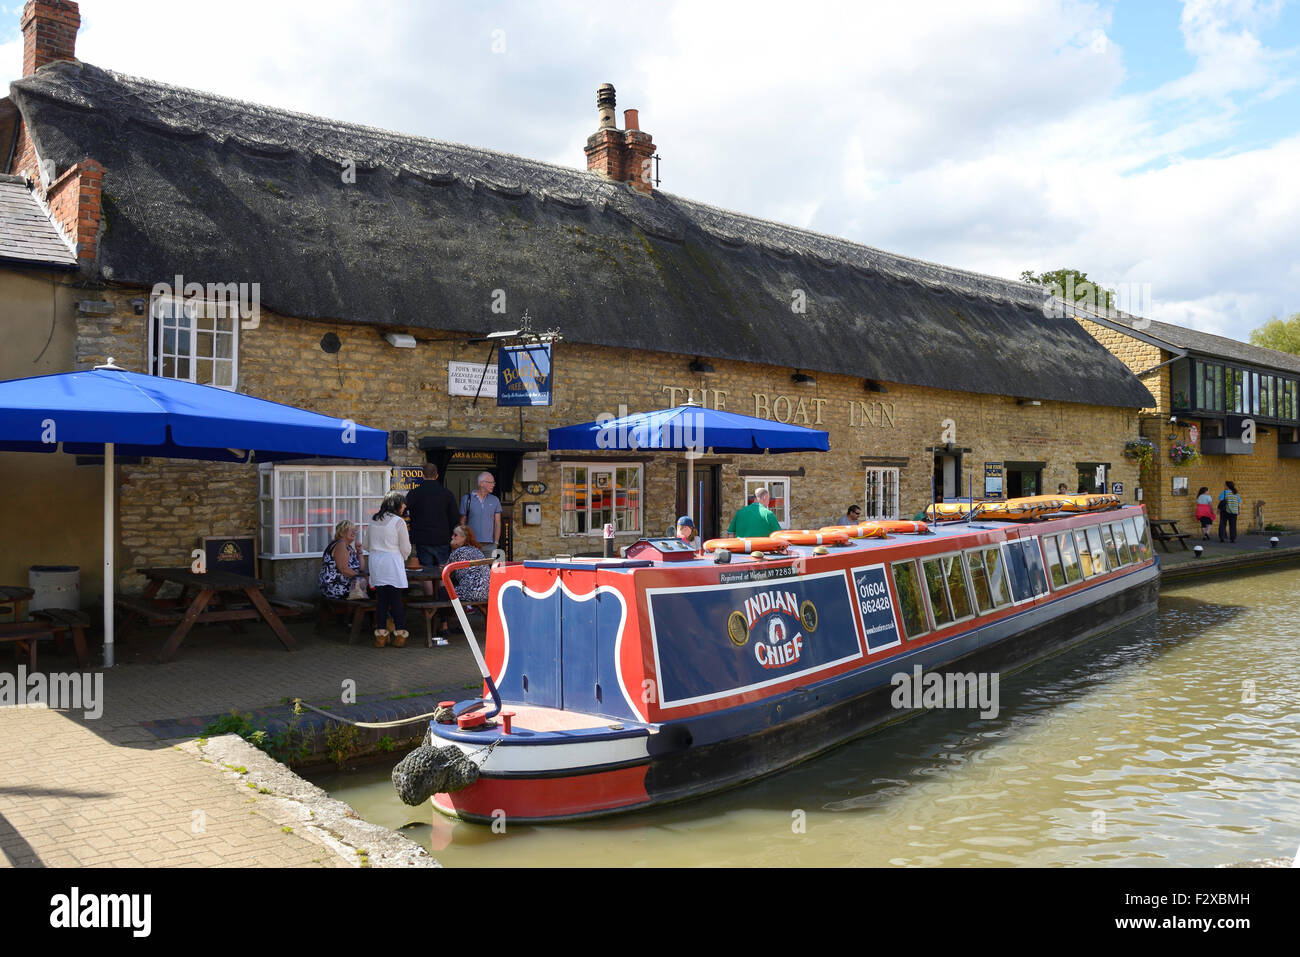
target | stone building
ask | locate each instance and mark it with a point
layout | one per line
(1235, 403)
(360, 272)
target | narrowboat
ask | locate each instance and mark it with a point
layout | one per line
(666, 674)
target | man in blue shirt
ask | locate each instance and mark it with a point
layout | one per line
(481, 511)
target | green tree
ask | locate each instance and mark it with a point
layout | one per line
(1073, 286)
(1280, 334)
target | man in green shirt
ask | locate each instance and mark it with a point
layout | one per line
(756, 519)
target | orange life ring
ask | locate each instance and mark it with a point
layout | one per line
(803, 536)
(866, 530)
(904, 528)
(745, 545)
(873, 530)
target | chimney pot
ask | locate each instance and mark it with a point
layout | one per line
(631, 120)
(49, 32)
(605, 104)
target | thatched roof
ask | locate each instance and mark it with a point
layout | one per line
(220, 190)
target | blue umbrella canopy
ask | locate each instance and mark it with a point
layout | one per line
(147, 415)
(109, 411)
(691, 428)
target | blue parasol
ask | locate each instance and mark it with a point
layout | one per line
(689, 428)
(109, 410)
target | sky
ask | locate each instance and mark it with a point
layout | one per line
(1153, 144)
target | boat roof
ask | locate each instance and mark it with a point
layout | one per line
(937, 532)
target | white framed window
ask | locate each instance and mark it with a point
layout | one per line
(778, 486)
(880, 501)
(300, 505)
(194, 341)
(598, 493)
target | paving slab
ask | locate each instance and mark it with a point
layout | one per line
(133, 787)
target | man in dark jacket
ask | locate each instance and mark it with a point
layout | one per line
(433, 516)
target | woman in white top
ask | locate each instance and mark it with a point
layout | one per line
(390, 546)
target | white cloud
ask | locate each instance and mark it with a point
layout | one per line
(994, 136)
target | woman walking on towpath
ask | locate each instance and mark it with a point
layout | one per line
(1229, 507)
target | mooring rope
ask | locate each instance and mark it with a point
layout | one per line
(364, 724)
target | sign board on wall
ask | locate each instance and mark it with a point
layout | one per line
(993, 487)
(463, 378)
(405, 479)
(525, 376)
(236, 554)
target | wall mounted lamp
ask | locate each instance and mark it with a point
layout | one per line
(700, 367)
(802, 378)
(1028, 402)
(400, 340)
(871, 385)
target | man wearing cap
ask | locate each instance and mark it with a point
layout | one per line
(755, 520)
(686, 531)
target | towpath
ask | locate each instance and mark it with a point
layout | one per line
(130, 787)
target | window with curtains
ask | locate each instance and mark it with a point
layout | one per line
(301, 505)
(599, 493)
(778, 487)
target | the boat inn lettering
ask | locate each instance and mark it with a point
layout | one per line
(786, 409)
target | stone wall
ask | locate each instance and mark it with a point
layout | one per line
(167, 506)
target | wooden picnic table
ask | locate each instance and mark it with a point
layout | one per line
(1165, 530)
(209, 588)
(16, 597)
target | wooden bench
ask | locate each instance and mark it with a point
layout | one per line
(63, 621)
(25, 635)
(1165, 536)
(152, 609)
(359, 609)
(288, 608)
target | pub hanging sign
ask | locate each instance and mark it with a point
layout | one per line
(524, 375)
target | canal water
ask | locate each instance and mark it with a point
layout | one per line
(1172, 742)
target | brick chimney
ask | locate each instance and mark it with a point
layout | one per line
(49, 32)
(620, 155)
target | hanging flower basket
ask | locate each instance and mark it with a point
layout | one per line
(1180, 453)
(1141, 452)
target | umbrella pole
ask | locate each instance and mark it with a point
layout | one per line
(690, 484)
(108, 554)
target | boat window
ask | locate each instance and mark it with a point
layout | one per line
(1034, 562)
(939, 606)
(998, 586)
(1069, 557)
(958, 592)
(1054, 562)
(1127, 553)
(1108, 540)
(1085, 555)
(979, 580)
(910, 601)
(1021, 588)
(1098, 550)
(1139, 523)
